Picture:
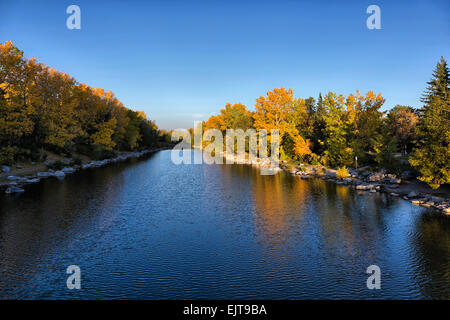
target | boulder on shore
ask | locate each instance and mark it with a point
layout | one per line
(354, 174)
(18, 179)
(376, 177)
(6, 169)
(59, 174)
(365, 174)
(395, 181)
(44, 174)
(412, 194)
(86, 166)
(365, 187)
(68, 170)
(330, 173)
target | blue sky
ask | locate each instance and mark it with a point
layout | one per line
(181, 61)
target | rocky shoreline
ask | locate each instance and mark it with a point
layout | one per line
(15, 184)
(374, 182)
(406, 186)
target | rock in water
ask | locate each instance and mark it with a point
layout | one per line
(14, 190)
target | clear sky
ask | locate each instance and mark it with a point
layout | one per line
(181, 61)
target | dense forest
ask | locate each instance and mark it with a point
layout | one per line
(339, 131)
(43, 109)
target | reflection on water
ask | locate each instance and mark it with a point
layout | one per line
(150, 229)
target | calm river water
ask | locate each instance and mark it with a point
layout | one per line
(149, 229)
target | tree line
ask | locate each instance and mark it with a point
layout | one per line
(346, 131)
(44, 109)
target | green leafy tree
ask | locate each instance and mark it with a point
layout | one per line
(387, 148)
(368, 119)
(337, 145)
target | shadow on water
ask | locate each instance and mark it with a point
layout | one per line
(150, 229)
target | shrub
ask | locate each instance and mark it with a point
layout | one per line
(315, 160)
(7, 155)
(77, 161)
(99, 153)
(56, 165)
(342, 173)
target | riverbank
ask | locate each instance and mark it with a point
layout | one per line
(409, 189)
(363, 179)
(14, 179)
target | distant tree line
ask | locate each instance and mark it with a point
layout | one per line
(339, 131)
(44, 109)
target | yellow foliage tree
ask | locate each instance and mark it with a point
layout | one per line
(103, 136)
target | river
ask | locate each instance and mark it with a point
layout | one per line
(150, 229)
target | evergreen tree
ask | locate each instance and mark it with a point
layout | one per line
(317, 135)
(320, 108)
(438, 85)
(432, 157)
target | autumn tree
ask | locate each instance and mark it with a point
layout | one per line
(401, 122)
(42, 108)
(133, 132)
(236, 116)
(15, 111)
(279, 110)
